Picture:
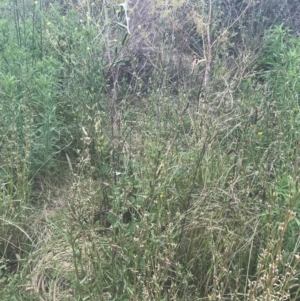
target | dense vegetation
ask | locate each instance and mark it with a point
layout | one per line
(149, 150)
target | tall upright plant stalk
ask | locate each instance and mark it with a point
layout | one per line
(17, 21)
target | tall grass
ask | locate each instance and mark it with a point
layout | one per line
(121, 182)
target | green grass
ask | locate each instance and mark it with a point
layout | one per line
(120, 188)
